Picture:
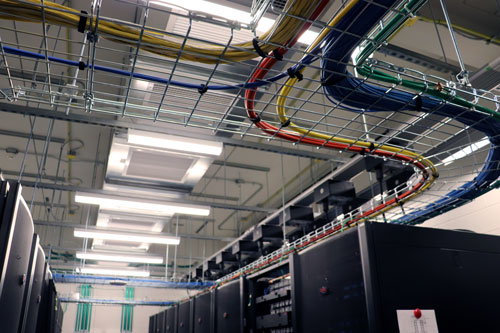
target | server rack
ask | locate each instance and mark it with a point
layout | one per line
(202, 313)
(34, 306)
(44, 314)
(54, 324)
(161, 322)
(152, 327)
(171, 319)
(329, 287)
(358, 280)
(29, 297)
(185, 317)
(228, 314)
(16, 233)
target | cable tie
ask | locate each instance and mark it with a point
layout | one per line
(277, 55)
(294, 73)
(418, 103)
(286, 123)
(81, 65)
(255, 120)
(372, 147)
(82, 24)
(203, 89)
(257, 48)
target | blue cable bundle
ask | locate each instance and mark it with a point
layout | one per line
(355, 95)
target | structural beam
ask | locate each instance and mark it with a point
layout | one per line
(419, 59)
(32, 175)
(242, 166)
(34, 136)
(122, 124)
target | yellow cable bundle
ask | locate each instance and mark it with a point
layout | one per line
(283, 30)
(281, 110)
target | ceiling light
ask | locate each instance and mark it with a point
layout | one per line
(229, 13)
(113, 272)
(110, 202)
(466, 151)
(126, 236)
(209, 8)
(176, 143)
(130, 258)
(308, 37)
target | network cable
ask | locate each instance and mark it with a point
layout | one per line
(318, 139)
(364, 97)
(153, 41)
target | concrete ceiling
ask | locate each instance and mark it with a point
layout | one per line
(251, 172)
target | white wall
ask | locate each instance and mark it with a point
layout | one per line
(106, 318)
(481, 215)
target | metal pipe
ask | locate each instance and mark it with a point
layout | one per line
(242, 166)
(43, 163)
(463, 76)
(33, 136)
(175, 248)
(31, 175)
(77, 70)
(23, 163)
(134, 62)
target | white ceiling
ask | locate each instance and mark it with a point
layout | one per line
(229, 184)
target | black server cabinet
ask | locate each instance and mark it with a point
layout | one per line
(160, 322)
(328, 284)
(55, 314)
(185, 318)
(202, 313)
(29, 298)
(171, 319)
(16, 233)
(44, 309)
(35, 302)
(152, 327)
(228, 307)
(59, 316)
(356, 281)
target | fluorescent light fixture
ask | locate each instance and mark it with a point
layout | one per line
(308, 37)
(231, 14)
(208, 8)
(126, 236)
(113, 272)
(126, 204)
(119, 257)
(170, 142)
(466, 151)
